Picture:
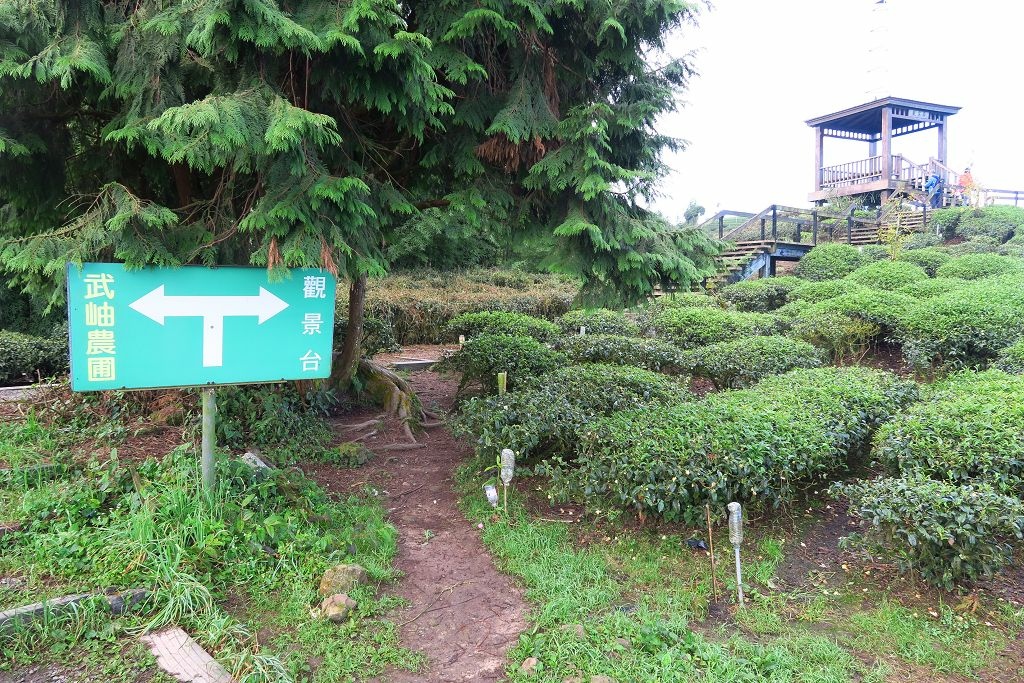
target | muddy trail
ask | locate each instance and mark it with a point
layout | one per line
(463, 614)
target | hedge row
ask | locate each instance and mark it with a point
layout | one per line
(482, 357)
(642, 352)
(742, 362)
(689, 328)
(950, 506)
(22, 356)
(418, 306)
(756, 446)
(551, 413)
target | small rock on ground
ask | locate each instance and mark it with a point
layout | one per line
(341, 579)
(337, 608)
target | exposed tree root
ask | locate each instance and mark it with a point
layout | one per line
(364, 436)
(363, 425)
(396, 395)
(400, 447)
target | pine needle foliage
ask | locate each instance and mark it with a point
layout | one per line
(340, 134)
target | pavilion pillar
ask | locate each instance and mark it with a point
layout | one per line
(819, 143)
(886, 143)
(943, 143)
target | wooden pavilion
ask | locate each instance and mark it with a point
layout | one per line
(882, 172)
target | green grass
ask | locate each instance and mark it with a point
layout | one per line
(626, 605)
(148, 524)
(642, 601)
(948, 643)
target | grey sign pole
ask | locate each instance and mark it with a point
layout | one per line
(209, 437)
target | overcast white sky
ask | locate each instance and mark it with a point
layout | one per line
(768, 66)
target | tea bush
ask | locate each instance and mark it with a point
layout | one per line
(691, 327)
(646, 314)
(871, 253)
(921, 240)
(757, 446)
(829, 262)
(651, 354)
(279, 419)
(887, 275)
(481, 358)
(969, 427)
(836, 333)
(762, 295)
(884, 308)
(1011, 359)
(925, 289)
(930, 259)
(966, 327)
(975, 266)
(742, 362)
(549, 416)
(598, 321)
(946, 532)
(418, 305)
(975, 245)
(502, 322)
(813, 292)
(996, 222)
(22, 355)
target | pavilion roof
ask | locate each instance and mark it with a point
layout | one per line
(864, 121)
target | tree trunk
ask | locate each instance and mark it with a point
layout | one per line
(182, 183)
(347, 366)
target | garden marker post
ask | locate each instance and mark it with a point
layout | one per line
(502, 383)
(736, 537)
(508, 467)
(209, 438)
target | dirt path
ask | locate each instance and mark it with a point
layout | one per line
(463, 614)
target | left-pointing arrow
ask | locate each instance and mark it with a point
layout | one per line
(158, 306)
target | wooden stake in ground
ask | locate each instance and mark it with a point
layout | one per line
(502, 382)
(711, 545)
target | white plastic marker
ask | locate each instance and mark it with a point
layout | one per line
(736, 537)
(491, 491)
(508, 467)
(212, 309)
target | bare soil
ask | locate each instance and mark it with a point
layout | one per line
(463, 614)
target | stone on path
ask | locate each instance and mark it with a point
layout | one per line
(529, 665)
(341, 579)
(337, 607)
(183, 658)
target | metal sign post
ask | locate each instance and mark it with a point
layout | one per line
(209, 438)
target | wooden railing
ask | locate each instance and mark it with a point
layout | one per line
(852, 173)
(791, 224)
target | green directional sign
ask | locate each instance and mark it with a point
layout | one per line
(170, 327)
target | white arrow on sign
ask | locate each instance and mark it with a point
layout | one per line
(212, 309)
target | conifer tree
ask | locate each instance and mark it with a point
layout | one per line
(308, 133)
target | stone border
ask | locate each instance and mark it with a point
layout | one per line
(183, 658)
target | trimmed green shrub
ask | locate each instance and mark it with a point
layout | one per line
(946, 532)
(875, 252)
(502, 322)
(995, 222)
(1011, 359)
(647, 314)
(975, 266)
(929, 259)
(418, 305)
(691, 327)
(762, 295)
(829, 262)
(975, 245)
(598, 321)
(22, 355)
(742, 362)
(970, 427)
(481, 358)
(922, 240)
(814, 292)
(550, 415)
(925, 289)
(887, 275)
(840, 335)
(883, 308)
(378, 337)
(651, 354)
(966, 327)
(757, 446)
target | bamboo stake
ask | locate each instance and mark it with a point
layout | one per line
(711, 544)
